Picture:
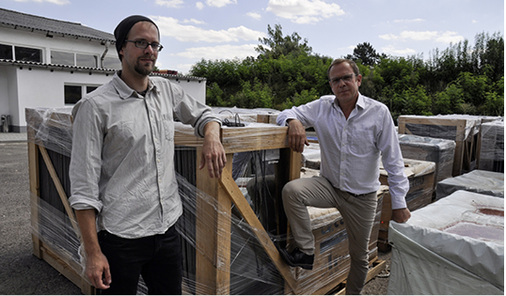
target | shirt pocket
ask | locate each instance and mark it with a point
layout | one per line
(363, 143)
(168, 127)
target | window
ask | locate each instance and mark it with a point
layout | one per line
(28, 54)
(20, 53)
(86, 60)
(73, 93)
(72, 59)
(90, 89)
(6, 52)
(62, 58)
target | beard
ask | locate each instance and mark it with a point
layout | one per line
(144, 68)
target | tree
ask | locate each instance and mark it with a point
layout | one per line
(366, 54)
(276, 45)
(459, 79)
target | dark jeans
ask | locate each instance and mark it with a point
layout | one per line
(157, 258)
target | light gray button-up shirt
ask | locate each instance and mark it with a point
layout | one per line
(351, 149)
(122, 161)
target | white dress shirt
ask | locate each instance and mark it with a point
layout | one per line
(351, 149)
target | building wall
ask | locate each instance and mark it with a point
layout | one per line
(8, 90)
(30, 86)
(194, 88)
(40, 87)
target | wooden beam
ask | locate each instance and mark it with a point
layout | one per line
(235, 194)
(33, 171)
(213, 234)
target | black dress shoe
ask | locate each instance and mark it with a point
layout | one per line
(298, 259)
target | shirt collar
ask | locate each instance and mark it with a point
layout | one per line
(360, 102)
(124, 91)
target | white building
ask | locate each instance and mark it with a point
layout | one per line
(52, 63)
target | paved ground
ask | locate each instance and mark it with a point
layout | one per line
(20, 271)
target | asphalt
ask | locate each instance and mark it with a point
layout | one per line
(21, 273)
(12, 137)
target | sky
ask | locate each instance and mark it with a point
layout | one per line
(230, 29)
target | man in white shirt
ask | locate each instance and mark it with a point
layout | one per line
(122, 168)
(354, 133)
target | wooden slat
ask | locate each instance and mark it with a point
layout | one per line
(33, 170)
(247, 213)
(376, 268)
(241, 139)
(213, 238)
(68, 267)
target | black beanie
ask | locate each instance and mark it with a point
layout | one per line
(124, 27)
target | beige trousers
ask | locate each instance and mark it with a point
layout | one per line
(358, 214)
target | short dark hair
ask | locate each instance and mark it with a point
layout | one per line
(340, 61)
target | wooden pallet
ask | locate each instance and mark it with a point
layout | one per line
(213, 239)
(375, 268)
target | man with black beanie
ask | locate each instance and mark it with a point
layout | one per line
(123, 181)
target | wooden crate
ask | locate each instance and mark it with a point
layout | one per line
(439, 151)
(49, 135)
(491, 150)
(464, 130)
(52, 219)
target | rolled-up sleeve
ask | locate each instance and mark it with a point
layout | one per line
(85, 162)
(190, 111)
(306, 114)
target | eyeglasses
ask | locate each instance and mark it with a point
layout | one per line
(144, 44)
(346, 78)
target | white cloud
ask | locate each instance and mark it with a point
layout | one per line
(220, 3)
(416, 20)
(187, 33)
(199, 5)
(304, 11)
(388, 37)
(184, 69)
(254, 15)
(170, 3)
(193, 21)
(449, 37)
(437, 36)
(419, 35)
(57, 2)
(225, 52)
(390, 50)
